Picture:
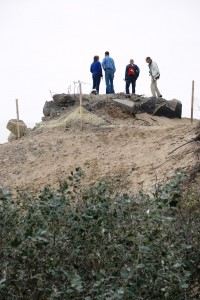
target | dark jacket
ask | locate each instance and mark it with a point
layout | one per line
(96, 68)
(137, 72)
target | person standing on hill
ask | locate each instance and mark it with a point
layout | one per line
(155, 75)
(108, 65)
(131, 75)
(96, 71)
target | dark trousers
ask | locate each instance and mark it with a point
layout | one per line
(132, 81)
(96, 82)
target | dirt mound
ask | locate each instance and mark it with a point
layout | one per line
(142, 149)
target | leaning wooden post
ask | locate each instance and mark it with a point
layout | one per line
(192, 101)
(17, 111)
(81, 105)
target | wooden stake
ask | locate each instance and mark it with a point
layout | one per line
(17, 111)
(192, 101)
(81, 105)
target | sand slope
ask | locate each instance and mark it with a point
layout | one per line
(139, 149)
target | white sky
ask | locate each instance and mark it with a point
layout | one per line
(49, 44)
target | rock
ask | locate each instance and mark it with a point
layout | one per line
(54, 113)
(48, 107)
(125, 104)
(13, 127)
(154, 106)
(63, 100)
(60, 102)
(148, 106)
(134, 104)
(12, 137)
(171, 109)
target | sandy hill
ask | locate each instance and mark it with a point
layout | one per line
(141, 150)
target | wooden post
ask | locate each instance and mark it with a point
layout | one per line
(17, 111)
(192, 101)
(74, 89)
(81, 105)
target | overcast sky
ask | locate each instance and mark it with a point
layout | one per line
(48, 44)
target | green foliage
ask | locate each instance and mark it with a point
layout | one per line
(97, 244)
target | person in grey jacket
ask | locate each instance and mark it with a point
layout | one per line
(155, 75)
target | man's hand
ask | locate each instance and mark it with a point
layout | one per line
(157, 77)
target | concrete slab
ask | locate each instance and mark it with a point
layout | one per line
(126, 104)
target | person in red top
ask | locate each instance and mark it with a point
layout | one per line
(132, 73)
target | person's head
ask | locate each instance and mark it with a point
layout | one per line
(131, 61)
(107, 53)
(148, 60)
(96, 58)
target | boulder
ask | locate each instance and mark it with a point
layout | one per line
(147, 106)
(60, 101)
(171, 109)
(153, 106)
(13, 127)
(12, 137)
(63, 100)
(49, 108)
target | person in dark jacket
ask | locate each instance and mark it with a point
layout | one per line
(132, 73)
(96, 71)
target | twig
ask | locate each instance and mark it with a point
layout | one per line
(195, 139)
(136, 119)
(154, 121)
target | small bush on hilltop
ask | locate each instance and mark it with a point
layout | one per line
(96, 243)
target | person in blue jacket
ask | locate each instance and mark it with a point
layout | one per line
(132, 73)
(96, 71)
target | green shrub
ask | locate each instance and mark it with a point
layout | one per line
(97, 243)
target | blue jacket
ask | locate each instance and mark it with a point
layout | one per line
(137, 72)
(108, 63)
(96, 68)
